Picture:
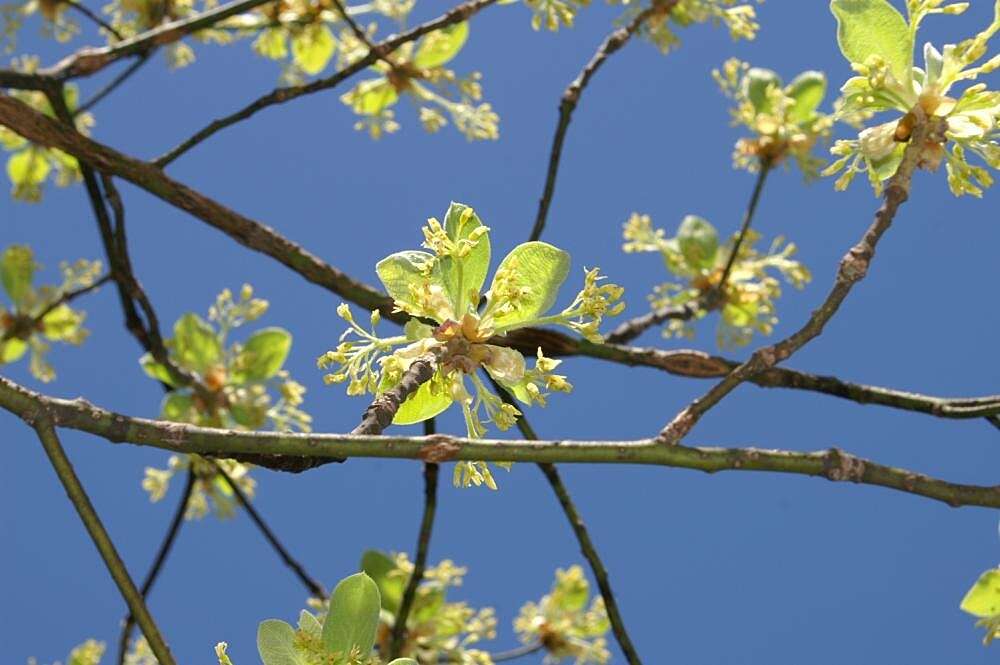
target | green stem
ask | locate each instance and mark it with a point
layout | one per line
(78, 496)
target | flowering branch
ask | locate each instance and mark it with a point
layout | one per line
(853, 268)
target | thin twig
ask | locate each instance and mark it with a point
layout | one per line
(92, 522)
(289, 448)
(379, 50)
(311, 585)
(764, 170)
(383, 408)
(853, 268)
(629, 330)
(518, 652)
(431, 470)
(97, 20)
(571, 97)
(288, 93)
(114, 83)
(166, 545)
(65, 298)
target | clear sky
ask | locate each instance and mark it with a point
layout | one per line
(725, 569)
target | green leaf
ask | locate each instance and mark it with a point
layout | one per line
(874, 27)
(983, 599)
(440, 46)
(155, 370)
(177, 407)
(17, 271)
(12, 350)
(466, 275)
(309, 625)
(263, 354)
(539, 269)
(698, 241)
(353, 617)
(62, 324)
(251, 416)
(755, 86)
(378, 566)
(399, 271)
(196, 343)
(372, 96)
(885, 168)
(28, 167)
(419, 406)
(808, 90)
(403, 661)
(313, 47)
(276, 644)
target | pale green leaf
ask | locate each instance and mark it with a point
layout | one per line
(12, 350)
(17, 271)
(983, 599)
(400, 271)
(276, 644)
(808, 90)
(466, 275)
(539, 269)
(249, 415)
(371, 97)
(698, 241)
(403, 661)
(440, 46)
(421, 405)
(874, 27)
(264, 353)
(313, 47)
(155, 370)
(196, 344)
(756, 84)
(378, 566)
(28, 168)
(309, 625)
(353, 617)
(63, 324)
(177, 407)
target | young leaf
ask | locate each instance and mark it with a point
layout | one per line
(12, 350)
(309, 625)
(177, 407)
(539, 269)
(17, 271)
(62, 324)
(983, 599)
(196, 344)
(264, 353)
(419, 406)
(465, 275)
(698, 241)
(276, 644)
(372, 96)
(756, 83)
(403, 661)
(808, 90)
(353, 617)
(313, 47)
(378, 566)
(874, 27)
(402, 270)
(155, 370)
(440, 46)
(28, 168)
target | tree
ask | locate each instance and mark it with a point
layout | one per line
(477, 335)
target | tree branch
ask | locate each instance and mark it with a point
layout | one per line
(311, 585)
(176, 522)
(765, 168)
(398, 637)
(383, 408)
(853, 268)
(571, 97)
(114, 83)
(832, 464)
(288, 93)
(119, 573)
(258, 237)
(65, 298)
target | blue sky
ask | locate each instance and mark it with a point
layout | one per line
(726, 569)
